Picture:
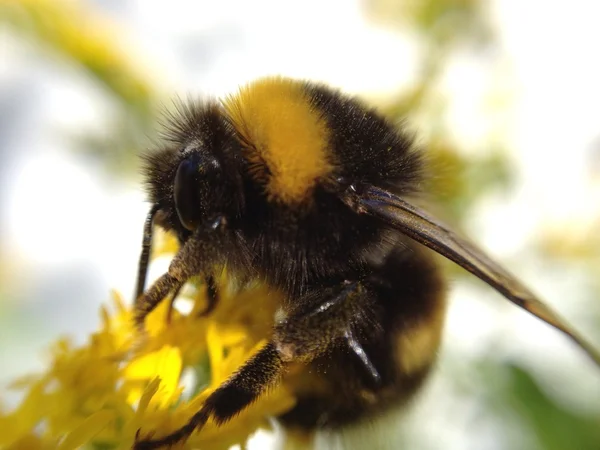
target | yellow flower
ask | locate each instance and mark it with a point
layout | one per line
(102, 393)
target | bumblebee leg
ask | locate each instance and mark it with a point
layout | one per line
(172, 303)
(258, 374)
(150, 299)
(359, 351)
(324, 320)
(201, 251)
(212, 296)
(335, 317)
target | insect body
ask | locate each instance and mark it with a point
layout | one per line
(309, 191)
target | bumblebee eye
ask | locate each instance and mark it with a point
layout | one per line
(186, 191)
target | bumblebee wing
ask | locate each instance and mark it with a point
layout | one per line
(425, 229)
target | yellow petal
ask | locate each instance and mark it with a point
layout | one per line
(105, 317)
(90, 427)
(30, 412)
(147, 395)
(165, 363)
(118, 302)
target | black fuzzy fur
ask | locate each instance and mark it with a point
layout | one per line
(309, 251)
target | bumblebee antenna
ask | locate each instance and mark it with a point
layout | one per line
(146, 249)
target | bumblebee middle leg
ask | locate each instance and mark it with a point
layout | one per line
(322, 321)
(326, 318)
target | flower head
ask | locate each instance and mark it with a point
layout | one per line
(102, 393)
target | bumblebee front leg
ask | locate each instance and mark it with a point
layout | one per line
(252, 379)
(200, 253)
(323, 319)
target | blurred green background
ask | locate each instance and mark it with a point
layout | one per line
(504, 97)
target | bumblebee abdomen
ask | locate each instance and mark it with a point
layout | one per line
(409, 306)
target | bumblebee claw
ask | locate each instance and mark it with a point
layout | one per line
(212, 297)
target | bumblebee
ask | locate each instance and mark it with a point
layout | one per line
(313, 193)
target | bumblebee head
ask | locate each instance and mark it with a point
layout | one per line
(197, 177)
